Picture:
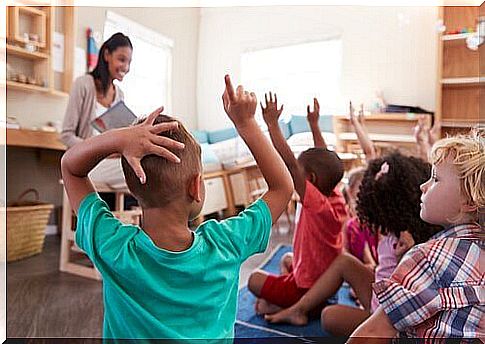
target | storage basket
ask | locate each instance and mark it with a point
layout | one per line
(26, 224)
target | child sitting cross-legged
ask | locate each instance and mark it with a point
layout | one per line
(437, 290)
(318, 236)
(161, 280)
(388, 204)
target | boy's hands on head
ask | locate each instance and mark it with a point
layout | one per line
(271, 114)
(240, 106)
(313, 116)
(143, 139)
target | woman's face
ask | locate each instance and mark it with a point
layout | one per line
(118, 62)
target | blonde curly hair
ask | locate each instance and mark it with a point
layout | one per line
(467, 154)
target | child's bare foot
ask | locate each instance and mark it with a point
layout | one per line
(263, 307)
(290, 315)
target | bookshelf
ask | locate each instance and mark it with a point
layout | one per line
(461, 78)
(31, 49)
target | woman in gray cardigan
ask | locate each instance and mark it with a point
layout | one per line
(93, 93)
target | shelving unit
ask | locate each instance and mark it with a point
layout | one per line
(30, 49)
(458, 36)
(384, 129)
(461, 83)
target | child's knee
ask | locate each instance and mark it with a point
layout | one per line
(329, 319)
(256, 281)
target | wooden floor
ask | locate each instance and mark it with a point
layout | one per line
(44, 302)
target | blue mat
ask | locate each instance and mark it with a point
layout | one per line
(251, 325)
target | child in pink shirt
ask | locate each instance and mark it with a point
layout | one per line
(318, 236)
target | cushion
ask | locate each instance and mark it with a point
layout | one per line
(201, 136)
(299, 124)
(222, 135)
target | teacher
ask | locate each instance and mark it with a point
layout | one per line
(94, 93)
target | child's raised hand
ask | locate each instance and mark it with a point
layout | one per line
(240, 106)
(353, 119)
(435, 132)
(312, 116)
(271, 112)
(420, 130)
(143, 139)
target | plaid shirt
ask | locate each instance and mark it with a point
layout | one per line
(438, 289)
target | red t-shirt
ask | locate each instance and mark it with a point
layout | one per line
(318, 236)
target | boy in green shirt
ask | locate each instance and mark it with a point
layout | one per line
(162, 280)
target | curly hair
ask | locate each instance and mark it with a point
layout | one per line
(389, 200)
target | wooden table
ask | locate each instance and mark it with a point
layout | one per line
(33, 139)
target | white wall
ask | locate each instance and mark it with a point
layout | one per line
(179, 24)
(388, 48)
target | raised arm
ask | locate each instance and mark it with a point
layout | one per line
(270, 116)
(312, 118)
(132, 142)
(362, 135)
(240, 106)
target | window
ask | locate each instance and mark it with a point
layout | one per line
(297, 73)
(148, 84)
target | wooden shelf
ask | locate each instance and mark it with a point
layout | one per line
(463, 81)
(458, 36)
(18, 51)
(379, 137)
(458, 123)
(391, 116)
(13, 85)
(34, 139)
(25, 87)
(32, 11)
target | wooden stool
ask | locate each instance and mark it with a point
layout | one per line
(72, 259)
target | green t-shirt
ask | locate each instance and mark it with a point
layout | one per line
(150, 292)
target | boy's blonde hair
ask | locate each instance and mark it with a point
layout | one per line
(468, 156)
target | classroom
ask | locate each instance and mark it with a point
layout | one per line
(315, 155)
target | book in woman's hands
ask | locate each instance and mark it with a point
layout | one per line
(117, 116)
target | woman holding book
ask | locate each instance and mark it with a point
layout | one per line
(94, 93)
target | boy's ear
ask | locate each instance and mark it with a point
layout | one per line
(195, 188)
(312, 177)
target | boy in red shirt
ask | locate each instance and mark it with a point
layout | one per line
(318, 236)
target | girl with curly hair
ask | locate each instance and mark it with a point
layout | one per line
(388, 203)
(436, 291)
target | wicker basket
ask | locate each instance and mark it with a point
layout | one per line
(26, 224)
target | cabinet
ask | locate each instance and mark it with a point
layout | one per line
(31, 49)
(384, 129)
(461, 80)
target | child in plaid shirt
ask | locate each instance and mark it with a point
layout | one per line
(438, 289)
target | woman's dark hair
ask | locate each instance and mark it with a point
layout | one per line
(101, 73)
(390, 202)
